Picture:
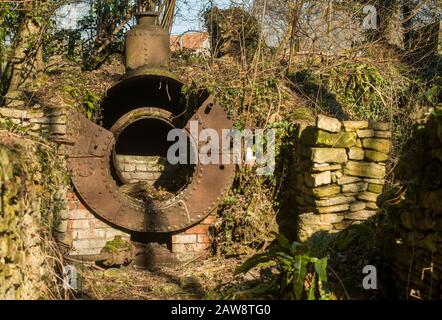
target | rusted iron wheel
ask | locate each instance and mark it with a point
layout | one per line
(90, 159)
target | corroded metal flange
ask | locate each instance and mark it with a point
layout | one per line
(89, 159)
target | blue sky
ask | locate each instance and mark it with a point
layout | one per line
(187, 17)
(188, 14)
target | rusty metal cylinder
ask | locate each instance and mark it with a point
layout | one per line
(147, 45)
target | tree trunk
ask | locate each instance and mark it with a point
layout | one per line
(23, 62)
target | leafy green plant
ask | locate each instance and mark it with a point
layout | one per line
(295, 274)
(88, 101)
(434, 93)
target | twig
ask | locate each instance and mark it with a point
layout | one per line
(340, 281)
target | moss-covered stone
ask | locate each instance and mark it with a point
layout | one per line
(334, 201)
(30, 177)
(375, 156)
(327, 191)
(368, 196)
(376, 188)
(355, 125)
(337, 140)
(314, 137)
(356, 153)
(117, 244)
(328, 155)
(365, 169)
(381, 145)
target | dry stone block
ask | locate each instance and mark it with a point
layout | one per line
(331, 218)
(381, 145)
(355, 187)
(360, 215)
(309, 224)
(357, 206)
(334, 201)
(376, 188)
(375, 156)
(309, 218)
(336, 140)
(328, 124)
(375, 181)
(383, 134)
(336, 175)
(328, 191)
(365, 133)
(350, 194)
(348, 179)
(332, 209)
(355, 125)
(368, 196)
(371, 205)
(14, 113)
(317, 167)
(365, 169)
(329, 155)
(319, 179)
(356, 153)
(314, 137)
(343, 224)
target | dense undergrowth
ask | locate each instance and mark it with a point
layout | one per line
(260, 94)
(379, 85)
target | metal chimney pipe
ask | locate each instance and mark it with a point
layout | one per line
(147, 48)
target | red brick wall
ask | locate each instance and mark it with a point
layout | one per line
(89, 233)
(194, 241)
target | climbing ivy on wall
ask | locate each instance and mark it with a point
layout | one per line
(31, 181)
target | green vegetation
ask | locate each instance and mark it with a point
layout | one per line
(116, 245)
(294, 273)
